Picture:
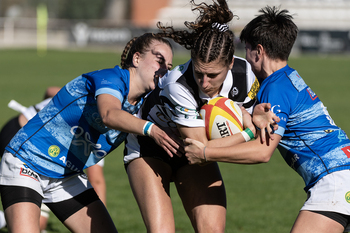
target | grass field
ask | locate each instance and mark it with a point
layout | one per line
(261, 198)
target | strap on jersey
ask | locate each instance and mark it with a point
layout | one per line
(238, 90)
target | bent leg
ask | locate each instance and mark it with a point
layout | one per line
(97, 179)
(202, 191)
(150, 181)
(91, 218)
(310, 222)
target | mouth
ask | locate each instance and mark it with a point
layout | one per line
(206, 89)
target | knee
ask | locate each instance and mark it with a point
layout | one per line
(211, 226)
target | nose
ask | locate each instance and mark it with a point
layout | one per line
(205, 81)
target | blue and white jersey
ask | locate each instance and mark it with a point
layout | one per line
(68, 135)
(312, 144)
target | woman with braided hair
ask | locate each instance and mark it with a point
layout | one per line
(86, 120)
(212, 71)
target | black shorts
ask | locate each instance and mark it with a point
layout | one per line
(64, 209)
(149, 148)
(7, 132)
(343, 219)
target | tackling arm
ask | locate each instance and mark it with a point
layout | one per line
(115, 118)
(251, 152)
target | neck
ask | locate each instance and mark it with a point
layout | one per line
(271, 66)
(135, 91)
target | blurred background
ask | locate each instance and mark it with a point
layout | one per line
(324, 24)
(49, 42)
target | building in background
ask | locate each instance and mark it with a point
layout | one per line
(324, 24)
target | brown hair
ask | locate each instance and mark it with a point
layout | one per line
(208, 37)
(139, 44)
(274, 30)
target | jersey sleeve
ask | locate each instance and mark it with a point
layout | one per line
(182, 105)
(110, 81)
(280, 103)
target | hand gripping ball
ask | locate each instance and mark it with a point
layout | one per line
(222, 117)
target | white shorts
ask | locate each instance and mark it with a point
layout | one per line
(331, 193)
(101, 163)
(13, 172)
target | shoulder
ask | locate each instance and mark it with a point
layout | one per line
(109, 73)
(175, 75)
(296, 80)
(180, 85)
(180, 79)
(242, 67)
(240, 62)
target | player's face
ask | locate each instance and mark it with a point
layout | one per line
(155, 63)
(210, 76)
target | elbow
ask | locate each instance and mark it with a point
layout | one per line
(106, 121)
(265, 157)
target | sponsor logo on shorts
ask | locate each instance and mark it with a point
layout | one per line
(25, 171)
(347, 197)
(54, 151)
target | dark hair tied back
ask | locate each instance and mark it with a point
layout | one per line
(207, 43)
(139, 44)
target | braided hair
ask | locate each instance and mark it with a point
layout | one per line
(208, 37)
(139, 44)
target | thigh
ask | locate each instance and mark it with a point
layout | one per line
(310, 222)
(92, 218)
(150, 181)
(23, 217)
(64, 209)
(202, 191)
(22, 208)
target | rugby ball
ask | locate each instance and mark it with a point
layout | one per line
(222, 117)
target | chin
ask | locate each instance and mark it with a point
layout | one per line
(152, 87)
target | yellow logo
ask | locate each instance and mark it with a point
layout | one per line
(347, 197)
(54, 151)
(254, 89)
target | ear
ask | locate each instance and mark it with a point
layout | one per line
(136, 59)
(259, 49)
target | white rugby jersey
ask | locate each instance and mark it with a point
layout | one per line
(177, 99)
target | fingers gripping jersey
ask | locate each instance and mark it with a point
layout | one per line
(311, 142)
(68, 135)
(177, 99)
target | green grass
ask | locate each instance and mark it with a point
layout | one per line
(261, 198)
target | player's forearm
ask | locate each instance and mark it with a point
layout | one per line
(252, 152)
(123, 121)
(227, 141)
